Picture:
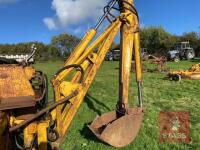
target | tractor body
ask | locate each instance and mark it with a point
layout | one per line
(181, 51)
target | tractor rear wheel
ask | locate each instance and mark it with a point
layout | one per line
(176, 59)
(189, 54)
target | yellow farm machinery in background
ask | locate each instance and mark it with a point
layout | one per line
(29, 121)
(192, 74)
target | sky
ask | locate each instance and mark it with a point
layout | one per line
(39, 20)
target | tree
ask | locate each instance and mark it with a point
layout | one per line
(65, 43)
(157, 40)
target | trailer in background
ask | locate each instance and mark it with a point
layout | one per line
(19, 58)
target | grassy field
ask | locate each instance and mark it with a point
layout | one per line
(159, 95)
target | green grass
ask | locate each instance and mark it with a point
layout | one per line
(159, 95)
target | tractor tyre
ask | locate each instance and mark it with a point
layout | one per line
(176, 59)
(176, 77)
(189, 54)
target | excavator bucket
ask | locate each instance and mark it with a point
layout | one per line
(118, 131)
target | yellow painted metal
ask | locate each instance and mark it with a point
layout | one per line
(90, 61)
(66, 88)
(30, 72)
(29, 133)
(84, 65)
(77, 52)
(137, 57)
(90, 58)
(14, 81)
(14, 121)
(81, 47)
(42, 135)
(100, 39)
(192, 73)
(58, 109)
(90, 65)
(127, 41)
(195, 68)
(87, 50)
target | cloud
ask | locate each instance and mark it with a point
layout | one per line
(7, 1)
(78, 30)
(74, 12)
(50, 23)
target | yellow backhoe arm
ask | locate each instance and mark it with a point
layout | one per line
(86, 59)
(71, 83)
(90, 65)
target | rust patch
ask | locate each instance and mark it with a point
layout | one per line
(3, 75)
(14, 82)
(17, 102)
(15, 88)
(118, 131)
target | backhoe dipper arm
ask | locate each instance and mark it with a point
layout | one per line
(88, 56)
(129, 40)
